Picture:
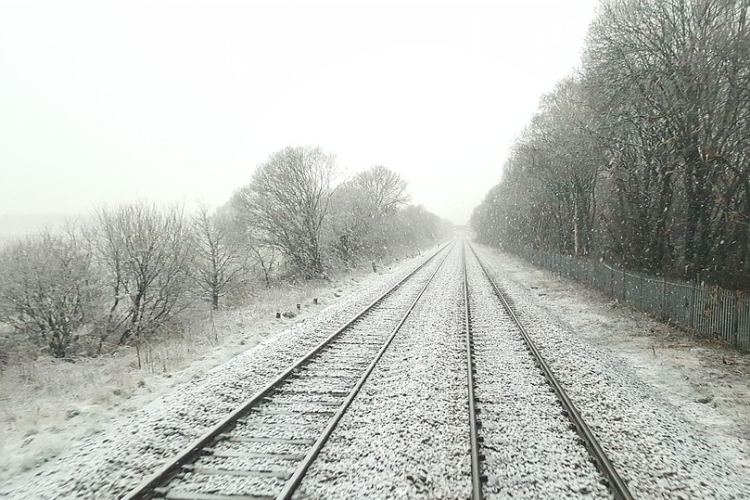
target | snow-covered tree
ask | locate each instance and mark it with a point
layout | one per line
(145, 254)
(48, 291)
(287, 201)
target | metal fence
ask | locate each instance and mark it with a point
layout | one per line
(708, 310)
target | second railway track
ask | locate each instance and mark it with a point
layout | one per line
(528, 439)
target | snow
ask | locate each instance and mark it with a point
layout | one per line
(671, 410)
(337, 368)
(408, 427)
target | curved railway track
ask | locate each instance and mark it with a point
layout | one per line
(610, 476)
(263, 448)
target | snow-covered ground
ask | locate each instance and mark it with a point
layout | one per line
(531, 451)
(124, 445)
(407, 435)
(336, 369)
(688, 400)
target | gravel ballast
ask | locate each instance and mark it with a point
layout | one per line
(531, 451)
(406, 434)
(302, 406)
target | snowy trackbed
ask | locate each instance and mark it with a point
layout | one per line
(525, 457)
(656, 448)
(422, 387)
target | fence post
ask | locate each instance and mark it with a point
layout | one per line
(694, 309)
(642, 282)
(663, 297)
(743, 340)
(624, 291)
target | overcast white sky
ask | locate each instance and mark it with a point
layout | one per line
(107, 101)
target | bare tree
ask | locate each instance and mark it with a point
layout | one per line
(416, 226)
(47, 289)
(647, 151)
(363, 212)
(259, 257)
(670, 76)
(146, 256)
(548, 198)
(383, 190)
(287, 201)
(219, 265)
(265, 257)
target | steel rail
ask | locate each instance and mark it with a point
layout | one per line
(164, 474)
(476, 477)
(613, 480)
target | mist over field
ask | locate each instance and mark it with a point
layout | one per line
(14, 226)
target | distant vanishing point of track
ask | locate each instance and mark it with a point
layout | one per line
(523, 435)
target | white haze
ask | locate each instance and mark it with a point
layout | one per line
(104, 102)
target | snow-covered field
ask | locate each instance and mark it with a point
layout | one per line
(682, 430)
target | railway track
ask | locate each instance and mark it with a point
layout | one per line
(263, 448)
(484, 439)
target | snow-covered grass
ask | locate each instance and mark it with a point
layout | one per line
(47, 405)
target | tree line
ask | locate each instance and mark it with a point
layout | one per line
(642, 156)
(125, 275)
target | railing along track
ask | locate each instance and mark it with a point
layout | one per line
(331, 405)
(603, 464)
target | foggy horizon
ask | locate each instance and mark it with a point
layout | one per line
(171, 103)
